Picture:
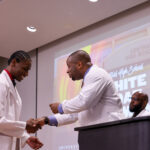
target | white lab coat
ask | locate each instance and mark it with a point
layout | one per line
(119, 116)
(10, 109)
(144, 112)
(95, 102)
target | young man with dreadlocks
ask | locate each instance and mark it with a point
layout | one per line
(12, 131)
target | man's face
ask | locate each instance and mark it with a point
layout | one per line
(73, 70)
(136, 103)
(20, 70)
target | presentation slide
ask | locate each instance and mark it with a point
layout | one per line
(125, 56)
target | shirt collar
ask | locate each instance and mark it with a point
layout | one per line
(85, 75)
(87, 71)
(10, 76)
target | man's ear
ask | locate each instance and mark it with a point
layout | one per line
(13, 62)
(79, 64)
(144, 104)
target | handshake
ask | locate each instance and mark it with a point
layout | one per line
(33, 125)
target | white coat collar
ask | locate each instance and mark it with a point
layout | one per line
(8, 82)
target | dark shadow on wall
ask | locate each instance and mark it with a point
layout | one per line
(3, 63)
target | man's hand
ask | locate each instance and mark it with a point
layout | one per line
(34, 143)
(42, 121)
(54, 107)
(32, 126)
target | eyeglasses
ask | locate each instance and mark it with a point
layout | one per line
(134, 98)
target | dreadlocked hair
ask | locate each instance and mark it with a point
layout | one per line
(19, 56)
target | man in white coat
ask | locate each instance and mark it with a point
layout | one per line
(96, 100)
(138, 103)
(11, 129)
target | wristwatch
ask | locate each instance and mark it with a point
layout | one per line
(46, 120)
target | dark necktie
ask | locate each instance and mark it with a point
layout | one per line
(82, 84)
(14, 83)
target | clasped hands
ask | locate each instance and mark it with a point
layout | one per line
(33, 125)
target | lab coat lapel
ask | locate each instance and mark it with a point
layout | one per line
(14, 92)
(10, 84)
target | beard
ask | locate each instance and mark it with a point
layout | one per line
(136, 108)
(73, 78)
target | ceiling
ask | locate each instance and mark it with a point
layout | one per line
(52, 18)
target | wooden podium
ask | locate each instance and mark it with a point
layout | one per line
(127, 134)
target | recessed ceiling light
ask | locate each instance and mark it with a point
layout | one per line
(93, 1)
(31, 29)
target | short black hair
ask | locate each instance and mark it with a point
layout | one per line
(142, 96)
(81, 55)
(19, 56)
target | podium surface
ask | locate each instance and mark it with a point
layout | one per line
(126, 134)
